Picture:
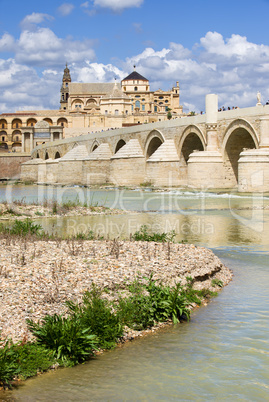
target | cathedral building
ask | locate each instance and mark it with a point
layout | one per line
(89, 107)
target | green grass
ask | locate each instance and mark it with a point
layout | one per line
(143, 234)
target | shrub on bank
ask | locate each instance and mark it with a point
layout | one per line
(69, 340)
(95, 323)
(23, 360)
(23, 228)
(95, 313)
(143, 234)
(150, 303)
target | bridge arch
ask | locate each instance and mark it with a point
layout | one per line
(94, 146)
(119, 145)
(191, 139)
(154, 140)
(239, 135)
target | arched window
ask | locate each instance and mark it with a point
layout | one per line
(137, 104)
(116, 111)
(135, 88)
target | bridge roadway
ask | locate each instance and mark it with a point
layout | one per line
(215, 150)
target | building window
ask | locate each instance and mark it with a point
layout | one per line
(166, 101)
(137, 96)
(137, 104)
(17, 138)
(106, 112)
(126, 111)
(155, 108)
(17, 125)
(160, 97)
(63, 97)
(62, 124)
(66, 84)
(132, 108)
(116, 112)
(3, 138)
(3, 125)
(143, 108)
(135, 88)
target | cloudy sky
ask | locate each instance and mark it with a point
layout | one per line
(208, 46)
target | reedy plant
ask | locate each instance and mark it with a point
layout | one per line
(70, 341)
(143, 234)
(96, 313)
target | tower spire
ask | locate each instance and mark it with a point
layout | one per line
(65, 88)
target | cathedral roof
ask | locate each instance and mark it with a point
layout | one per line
(116, 92)
(135, 76)
(90, 88)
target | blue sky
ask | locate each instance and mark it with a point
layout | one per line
(208, 46)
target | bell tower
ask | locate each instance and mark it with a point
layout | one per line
(65, 89)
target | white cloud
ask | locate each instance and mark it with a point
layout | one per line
(98, 72)
(233, 68)
(7, 43)
(30, 21)
(44, 48)
(66, 9)
(22, 89)
(117, 5)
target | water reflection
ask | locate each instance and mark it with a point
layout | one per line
(213, 229)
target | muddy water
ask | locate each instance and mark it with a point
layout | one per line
(223, 353)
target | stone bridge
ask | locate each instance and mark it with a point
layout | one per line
(215, 150)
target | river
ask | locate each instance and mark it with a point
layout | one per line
(223, 352)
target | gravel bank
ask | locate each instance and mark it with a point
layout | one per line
(37, 276)
(22, 211)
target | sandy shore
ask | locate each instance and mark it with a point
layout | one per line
(38, 276)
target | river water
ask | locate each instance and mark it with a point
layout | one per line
(222, 354)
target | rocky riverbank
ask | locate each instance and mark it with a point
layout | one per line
(38, 276)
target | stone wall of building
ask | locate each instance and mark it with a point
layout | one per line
(10, 165)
